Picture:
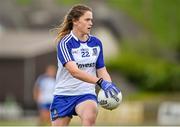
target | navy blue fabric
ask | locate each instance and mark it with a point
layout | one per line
(63, 106)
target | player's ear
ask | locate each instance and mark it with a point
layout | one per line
(75, 21)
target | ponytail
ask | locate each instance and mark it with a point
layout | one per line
(64, 28)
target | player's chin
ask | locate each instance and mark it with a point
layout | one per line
(88, 31)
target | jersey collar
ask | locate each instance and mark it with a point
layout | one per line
(89, 36)
(74, 36)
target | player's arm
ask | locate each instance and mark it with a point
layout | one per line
(79, 74)
(102, 73)
(100, 65)
(107, 86)
(36, 92)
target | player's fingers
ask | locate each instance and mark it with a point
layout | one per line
(106, 93)
(110, 92)
(115, 91)
(116, 88)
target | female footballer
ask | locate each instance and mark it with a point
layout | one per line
(80, 67)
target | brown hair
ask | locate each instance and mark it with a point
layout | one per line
(67, 25)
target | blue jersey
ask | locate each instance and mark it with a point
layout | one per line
(88, 57)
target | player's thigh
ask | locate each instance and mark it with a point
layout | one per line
(87, 108)
(64, 121)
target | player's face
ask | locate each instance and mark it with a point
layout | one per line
(84, 24)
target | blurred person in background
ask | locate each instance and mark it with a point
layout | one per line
(80, 68)
(43, 93)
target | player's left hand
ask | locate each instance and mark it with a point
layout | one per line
(108, 87)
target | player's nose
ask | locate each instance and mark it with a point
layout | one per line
(91, 23)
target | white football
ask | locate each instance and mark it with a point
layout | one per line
(109, 103)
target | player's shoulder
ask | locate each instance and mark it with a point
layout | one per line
(42, 77)
(66, 39)
(95, 40)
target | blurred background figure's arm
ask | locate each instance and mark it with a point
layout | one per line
(36, 93)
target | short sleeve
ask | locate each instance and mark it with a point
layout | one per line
(100, 59)
(39, 80)
(64, 52)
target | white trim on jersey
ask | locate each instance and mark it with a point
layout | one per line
(64, 49)
(74, 36)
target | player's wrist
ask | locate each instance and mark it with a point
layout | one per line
(99, 82)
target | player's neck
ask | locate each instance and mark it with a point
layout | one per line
(79, 35)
